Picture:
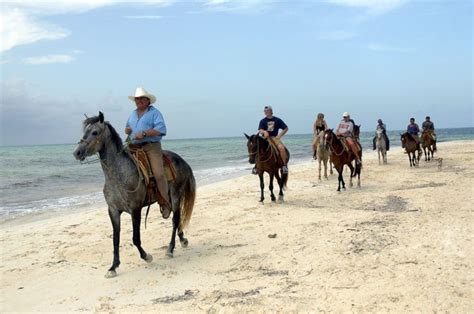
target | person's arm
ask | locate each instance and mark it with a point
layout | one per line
(315, 132)
(282, 133)
(325, 125)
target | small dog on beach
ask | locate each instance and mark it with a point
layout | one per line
(440, 163)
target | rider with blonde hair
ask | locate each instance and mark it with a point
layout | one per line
(319, 126)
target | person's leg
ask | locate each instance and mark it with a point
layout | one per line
(284, 156)
(155, 156)
(315, 146)
(354, 148)
(373, 141)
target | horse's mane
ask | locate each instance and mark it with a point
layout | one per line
(114, 136)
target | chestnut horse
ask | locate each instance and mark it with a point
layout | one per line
(411, 148)
(341, 157)
(427, 142)
(264, 156)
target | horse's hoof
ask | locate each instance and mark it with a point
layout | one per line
(148, 258)
(169, 254)
(111, 274)
(184, 243)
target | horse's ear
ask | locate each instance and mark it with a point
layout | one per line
(101, 117)
(86, 116)
(248, 137)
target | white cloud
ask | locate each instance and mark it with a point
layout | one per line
(336, 35)
(385, 48)
(17, 28)
(48, 59)
(21, 22)
(248, 6)
(144, 17)
(372, 6)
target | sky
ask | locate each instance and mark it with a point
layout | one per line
(214, 64)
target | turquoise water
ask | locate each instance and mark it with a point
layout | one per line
(47, 177)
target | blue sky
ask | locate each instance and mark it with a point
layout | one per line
(214, 65)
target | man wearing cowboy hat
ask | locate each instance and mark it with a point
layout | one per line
(345, 129)
(146, 127)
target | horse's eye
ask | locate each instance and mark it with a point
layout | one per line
(94, 133)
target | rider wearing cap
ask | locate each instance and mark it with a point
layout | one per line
(346, 129)
(269, 127)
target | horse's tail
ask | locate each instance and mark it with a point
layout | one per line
(284, 176)
(187, 202)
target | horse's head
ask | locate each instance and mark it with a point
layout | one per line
(93, 138)
(329, 135)
(357, 131)
(252, 147)
(379, 133)
(404, 139)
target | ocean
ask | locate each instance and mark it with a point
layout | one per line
(47, 178)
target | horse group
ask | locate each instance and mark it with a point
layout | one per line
(413, 148)
(125, 189)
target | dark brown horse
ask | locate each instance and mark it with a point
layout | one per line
(411, 148)
(428, 143)
(340, 157)
(266, 159)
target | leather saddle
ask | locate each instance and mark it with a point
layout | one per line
(143, 164)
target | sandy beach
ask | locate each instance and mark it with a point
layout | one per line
(403, 242)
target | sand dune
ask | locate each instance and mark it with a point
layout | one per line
(402, 242)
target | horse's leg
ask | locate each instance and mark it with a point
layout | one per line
(426, 155)
(319, 168)
(270, 186)
(136, 220)
(325, 164)
(176, 218)
(352, 173)
(330, 167)
(262, 186)
(378, 153)
(409, 158)
(280, 184)
(115, 219)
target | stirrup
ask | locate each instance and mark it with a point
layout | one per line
(284, 169)
(254, 170)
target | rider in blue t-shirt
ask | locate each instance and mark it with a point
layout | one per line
(269, 128)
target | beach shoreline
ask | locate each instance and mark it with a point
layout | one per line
(402, 242)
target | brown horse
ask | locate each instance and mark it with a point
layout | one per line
(428, 143)
(264, 156)
(411, 148)
(341, 157)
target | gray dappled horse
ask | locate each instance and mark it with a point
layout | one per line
(323, 152)
(380, 144)
(125, 190)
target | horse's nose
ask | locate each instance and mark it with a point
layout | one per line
(78, 153)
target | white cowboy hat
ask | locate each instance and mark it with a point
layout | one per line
(345, 114)
(141, 92)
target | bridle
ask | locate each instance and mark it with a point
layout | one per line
(332, 147)
(257, 150)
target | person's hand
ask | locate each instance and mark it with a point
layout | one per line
(128, 130)
(139, 136)
(266, 134)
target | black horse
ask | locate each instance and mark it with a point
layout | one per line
(125, 190)
(266, 159)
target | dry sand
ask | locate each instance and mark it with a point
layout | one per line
(402, 242)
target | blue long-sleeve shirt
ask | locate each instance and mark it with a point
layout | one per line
(151, 119)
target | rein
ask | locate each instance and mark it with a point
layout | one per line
(257, 153)
(332, 147)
